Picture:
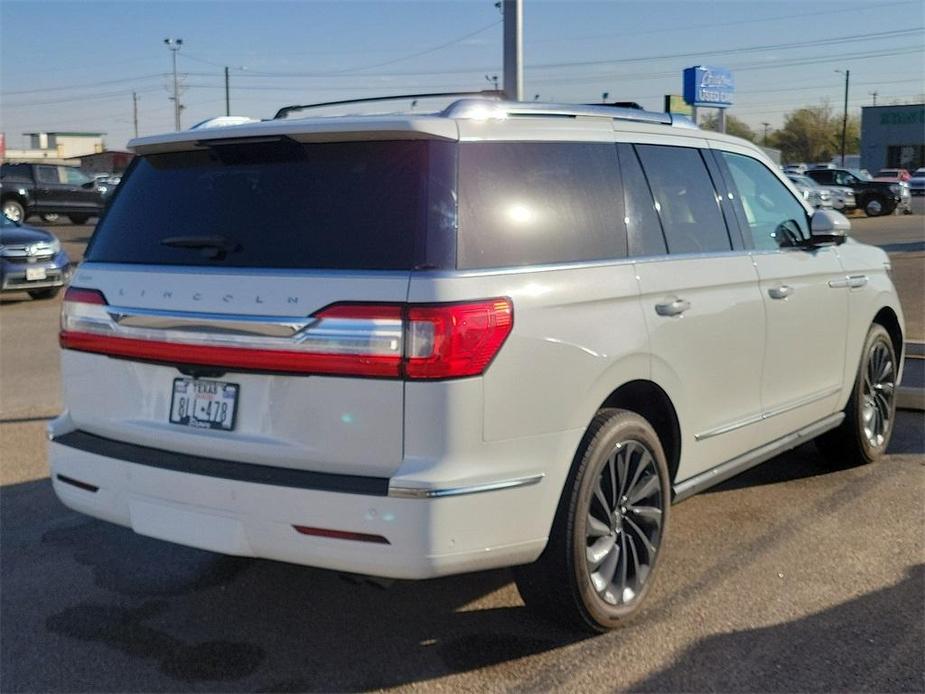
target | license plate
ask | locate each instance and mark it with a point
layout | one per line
(35, 273)
(204, 404)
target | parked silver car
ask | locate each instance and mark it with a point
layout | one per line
(814, 194)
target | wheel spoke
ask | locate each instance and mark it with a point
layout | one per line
(644, 489)
(623, 469)
(639, 468)
(885, 370)
(650, 548)
(607, 569)
(611, 467)
(599, 495)
(599, 551)
(596, 528)
(649, 513)
(623, 558)
(634, 555)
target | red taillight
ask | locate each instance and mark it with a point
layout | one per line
(455, 340)
(85, 296)
(414, 341)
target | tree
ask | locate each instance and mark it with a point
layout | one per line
(734, 126)
(813, 134)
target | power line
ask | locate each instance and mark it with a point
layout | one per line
(139, 78)
(712, 25)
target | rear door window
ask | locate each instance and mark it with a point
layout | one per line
(643, 229)
(534, 203)
(344, 205)
(685, 199)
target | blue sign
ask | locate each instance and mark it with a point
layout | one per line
(709, 86)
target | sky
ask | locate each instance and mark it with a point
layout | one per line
(72, 66)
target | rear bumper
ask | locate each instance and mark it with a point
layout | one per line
(427, 534)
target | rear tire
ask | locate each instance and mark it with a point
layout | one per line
(49, 293)
(604, 544)
(78, 218)
(870, 414)
(875, 207)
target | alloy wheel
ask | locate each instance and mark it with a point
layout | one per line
(879, 390)
(624, 523)
(13, 212)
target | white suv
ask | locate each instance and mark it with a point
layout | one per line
(504, 334)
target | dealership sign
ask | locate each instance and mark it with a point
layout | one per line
(709, 86)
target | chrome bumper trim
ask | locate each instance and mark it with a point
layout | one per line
(426, 493)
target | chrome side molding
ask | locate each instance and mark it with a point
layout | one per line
(767, 414)
(741, 463)
(425, 493)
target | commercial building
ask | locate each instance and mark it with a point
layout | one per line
(893, 137)
(55, 147)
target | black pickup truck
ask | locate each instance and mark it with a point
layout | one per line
(47, 190)
(874, 197)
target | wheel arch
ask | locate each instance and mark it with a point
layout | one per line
(649, 400)
(887, 317)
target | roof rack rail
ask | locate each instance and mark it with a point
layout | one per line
(286, 110)
(476, 108)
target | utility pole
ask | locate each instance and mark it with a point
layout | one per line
(174, 46)
(135, 111)
(514, 50)
(874, 94)
(227, 96)
(844, 122)
(765, 139)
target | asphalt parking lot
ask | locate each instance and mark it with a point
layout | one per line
(793, 576)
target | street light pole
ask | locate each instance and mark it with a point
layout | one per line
(844, 122)
(174, 46)
(514, 50)
(135, 112)
(227, 95)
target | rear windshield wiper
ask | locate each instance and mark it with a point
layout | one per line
(212, 246)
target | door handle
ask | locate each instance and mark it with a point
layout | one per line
(781, 292)
(852, 282)
(672, 308)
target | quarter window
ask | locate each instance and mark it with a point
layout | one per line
(764, 203)
(685, 199)
(529, 203)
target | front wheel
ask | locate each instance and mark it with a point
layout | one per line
(865, 433)
(598, 565)
(14, 210)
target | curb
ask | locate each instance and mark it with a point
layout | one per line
(912, 397)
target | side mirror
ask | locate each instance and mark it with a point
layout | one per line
(828, 226)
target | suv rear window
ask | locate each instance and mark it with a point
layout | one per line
(283, 204)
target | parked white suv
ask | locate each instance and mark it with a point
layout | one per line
(505, 334)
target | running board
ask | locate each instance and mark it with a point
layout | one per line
(733, 467)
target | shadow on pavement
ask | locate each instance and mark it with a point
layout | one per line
(199, 617)
(883, 632)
